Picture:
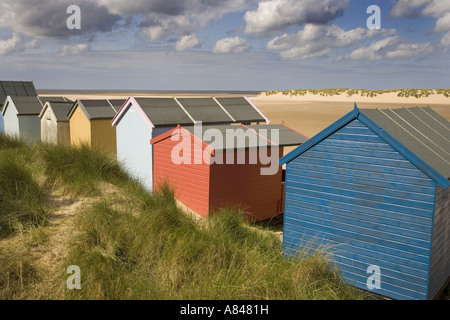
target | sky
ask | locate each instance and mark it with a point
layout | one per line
(225, 44)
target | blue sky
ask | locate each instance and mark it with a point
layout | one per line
(225, 45)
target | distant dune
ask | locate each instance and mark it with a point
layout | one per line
(305, 112)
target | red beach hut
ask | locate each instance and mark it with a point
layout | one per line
(225, 166)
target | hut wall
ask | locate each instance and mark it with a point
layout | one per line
(134, 150)
(30, 127)
(242, 186)
(104, 136)
(361, 200)
(80, 128)
(11, 120)
(49, 127)
(63, 129)
(440, 253)
(189, 181)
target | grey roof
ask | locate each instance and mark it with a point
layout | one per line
(98, 109)
(241, 110)
(16, 89)
(285, 135)
(27, 105)
(60, 109)
(242, 137)
(187, 111)
(205, 109)
(421, 130)
(53, 99)
(164, 111)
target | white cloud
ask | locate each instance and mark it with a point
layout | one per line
(273, 16)
(166, 18)
(76, 49)
(390, 48)
(408, 8)
(235, 45)
(162, 27)
(15, 44)
(319, 40)
(188, 42)
(439, 9)
(49, 18)
(445, 41)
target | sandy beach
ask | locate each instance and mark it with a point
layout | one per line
(308, 114)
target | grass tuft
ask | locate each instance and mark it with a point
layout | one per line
(22, 200)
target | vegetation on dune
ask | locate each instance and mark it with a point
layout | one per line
(130, 244)
(22, 200)
(417, 93)
(160, 253)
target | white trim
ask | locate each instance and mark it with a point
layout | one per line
(181, 106)
(234, 120)
(267, 120)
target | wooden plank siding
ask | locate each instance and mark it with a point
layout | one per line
(440, 253)
(242, 186)
(2, 123)
(134, 150)
(49, 130)
(357, 196)
(10, 118)
(53, 131)
(80, 128)
(30, 127)
(103, 136)
(189, 181)
(63, 133)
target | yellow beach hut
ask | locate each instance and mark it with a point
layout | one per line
(90, 123)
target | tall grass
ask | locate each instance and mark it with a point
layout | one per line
(137, 245)
(22, 199)
(157, 252)
(79, 169)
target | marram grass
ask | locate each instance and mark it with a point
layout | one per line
(130, 244)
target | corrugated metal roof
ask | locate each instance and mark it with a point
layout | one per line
(241, 110)
(205, 109)
(421, 130)
(248, 136)
(164, 111)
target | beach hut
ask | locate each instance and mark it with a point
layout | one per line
(90, 123)
(224, 166)
(21, 116)
(55, 122)
(373, 190)
(14, 89)
(141, 119)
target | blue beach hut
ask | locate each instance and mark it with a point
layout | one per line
(373, 188)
